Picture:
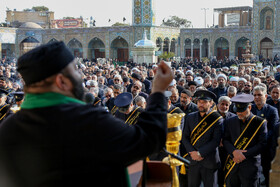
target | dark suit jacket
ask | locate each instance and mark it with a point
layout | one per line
(232, 132)
(77, 145)
(271, 115)
(207, 144)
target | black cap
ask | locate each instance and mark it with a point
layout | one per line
(123, 99)
(44, 61)
(205, 95)
(136, 76)
(241, 102)
(192, 83)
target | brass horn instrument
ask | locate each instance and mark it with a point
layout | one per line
(174, 137)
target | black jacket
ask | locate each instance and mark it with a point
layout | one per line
(77, 145)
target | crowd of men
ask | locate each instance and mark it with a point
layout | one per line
(229, 98)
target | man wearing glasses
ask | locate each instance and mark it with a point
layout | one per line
(248, 88)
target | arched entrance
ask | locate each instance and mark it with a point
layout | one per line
(27, 44)
(119, 49)
(173, 46)
(159, 44)
(196, 49)
(221, 48)
(96, 49)
(188, 48)
(266, 48)
(266, 19)
(205, 47)
(166, 45)
(240, 47)
(76, 47)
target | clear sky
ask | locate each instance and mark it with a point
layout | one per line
(103, 10)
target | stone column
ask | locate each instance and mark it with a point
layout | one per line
(161, 45)
(176, 49)
(209, 49)
(192, 50)
(200, 50)
(169, 47)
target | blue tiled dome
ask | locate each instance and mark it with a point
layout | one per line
(145, 43)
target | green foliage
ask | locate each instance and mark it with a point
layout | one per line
(166, 56)
(205, 60)
(27, 10)
(118, 24)
(40, 8)
(175, 21)
(68, 18)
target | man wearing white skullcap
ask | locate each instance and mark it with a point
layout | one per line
(241, 84)
(233, 81)
(221, 90)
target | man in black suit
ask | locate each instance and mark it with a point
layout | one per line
(244, 138)
(223, 106)
(186, 104)
(263, 110)
(200, 140)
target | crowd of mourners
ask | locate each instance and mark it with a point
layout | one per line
(104, 80)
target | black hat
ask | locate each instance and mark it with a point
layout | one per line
(18, 96)
(44, 61)
(205, 95)
(123, 99)
(192, 83)
(241, 102)
(136, 76)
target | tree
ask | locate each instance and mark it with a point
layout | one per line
(68, 17)
(40, 8)
(118, 24)
(175, 21)
(166, 56)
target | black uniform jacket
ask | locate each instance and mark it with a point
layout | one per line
(207, 145)
(77, 145)
(233, 131)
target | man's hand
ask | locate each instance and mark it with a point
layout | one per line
(195, 156)
(162, 78)
(238, 155)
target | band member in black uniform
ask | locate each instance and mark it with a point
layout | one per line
(57, 140)
(171, 109)
(244, 138)
(127, 111)
(200, 140)
(4, 107)
(223, 108)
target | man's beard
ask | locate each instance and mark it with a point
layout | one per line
(202, 109)
(78, 89)
(221, 86)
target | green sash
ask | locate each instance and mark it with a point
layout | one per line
(204, 125)
(46, 100)
(243, 141)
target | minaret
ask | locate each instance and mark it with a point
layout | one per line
(143, 13)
